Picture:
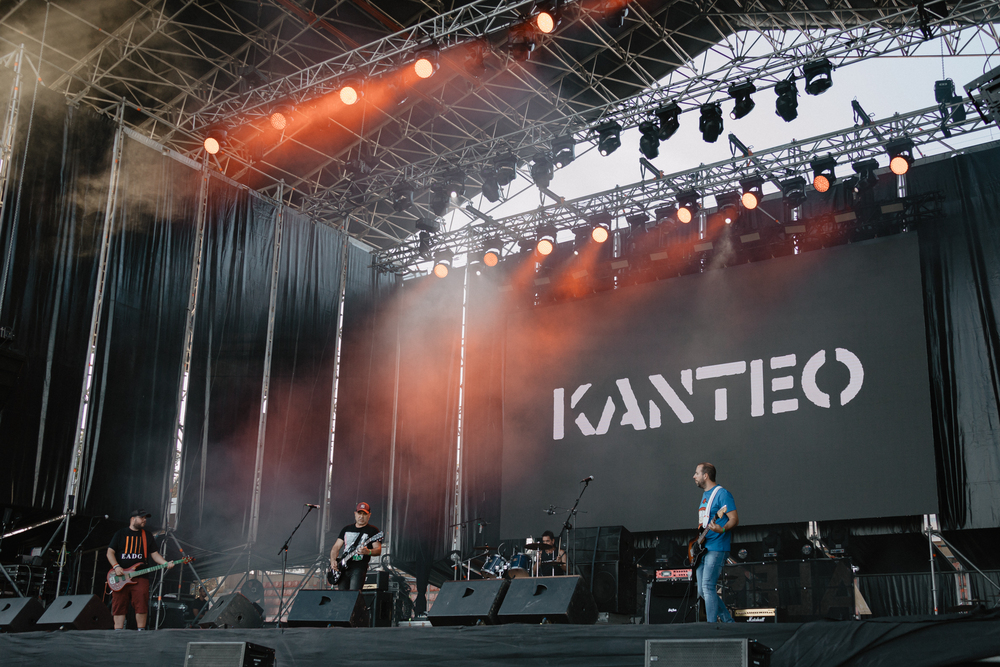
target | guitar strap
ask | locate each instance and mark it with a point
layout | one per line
(708, 508)
(145, 555)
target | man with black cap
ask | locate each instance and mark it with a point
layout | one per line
(353, 535)
(130, 545)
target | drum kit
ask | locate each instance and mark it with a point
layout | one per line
(492, 565)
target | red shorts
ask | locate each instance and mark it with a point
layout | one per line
(137, 593)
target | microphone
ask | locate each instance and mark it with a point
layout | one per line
(315, 507)
(550, 511)
(587, 479)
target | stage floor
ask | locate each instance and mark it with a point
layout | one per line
(912, 642)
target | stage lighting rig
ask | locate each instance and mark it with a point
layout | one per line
(281, 117)
(214, 140)
(440, 199)
(687, 205)
(753, 192)
(793, 191)
(506, 166)
(426, 63)
(546, 239)
(952, 107)
(744, 103)
(729, 206)
(664, 213)
(787, 104)
(669, 120)
(424, 243)
(600, 233)
(823, 172)
(429, 225)
(521, 41)
(710, 123)
(491, 188)
(442, 262)
(563, 150)
(608, 137)
(402, 197)
(637, 222)
(900, 155)
(865, 169)
(350, 92)
(549, 16)
(818, 76)
(541, 170)
(649, 142)
(616, 12)
(493, 250)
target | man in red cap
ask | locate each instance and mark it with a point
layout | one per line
(353, 537)
(133, 545)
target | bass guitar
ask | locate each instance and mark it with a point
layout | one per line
(696, 548)
(118, 582)
(333, 574)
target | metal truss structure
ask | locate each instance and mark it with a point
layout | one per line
(185, 67)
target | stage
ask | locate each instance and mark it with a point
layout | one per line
(914, 642)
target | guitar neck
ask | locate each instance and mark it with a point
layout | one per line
(156, 567)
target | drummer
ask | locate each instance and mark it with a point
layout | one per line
(550, 563)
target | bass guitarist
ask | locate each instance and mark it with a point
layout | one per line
(717, 539)
(353, 575)
(130, 546)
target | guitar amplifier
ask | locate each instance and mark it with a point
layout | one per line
(756, 615)
(684, 574)
(377, 580)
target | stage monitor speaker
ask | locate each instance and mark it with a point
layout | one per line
(548, 600)
(76, 612)
(379, 606)
(473, 602)
(325, 608)
(228, 654)
(669, 610)
(19, 614)
(717, 652)
(232, 611)
(613, 584)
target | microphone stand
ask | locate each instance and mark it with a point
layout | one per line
(284, 562)
(568, 528)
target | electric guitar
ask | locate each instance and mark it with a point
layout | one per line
(696, 548)
(116, 582)
(333, 574)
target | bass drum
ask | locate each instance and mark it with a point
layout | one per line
(495, 566)
(520, 566)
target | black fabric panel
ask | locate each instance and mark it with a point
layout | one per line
(302, 357)
(131, 426)
(54, 210)
(960, 257)
(227, 368)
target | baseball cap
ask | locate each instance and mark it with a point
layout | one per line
(363, 507)
(143, 513)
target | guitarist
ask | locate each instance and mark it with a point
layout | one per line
(130, 545)
(353, 577)
(717, 539)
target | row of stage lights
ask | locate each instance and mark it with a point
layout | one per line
(687, 206)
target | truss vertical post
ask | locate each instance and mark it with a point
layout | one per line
(172, 506)
(456, 538)
(7, 150)
(387, 544)
(110, 210)
(265, 387)
(333, 395)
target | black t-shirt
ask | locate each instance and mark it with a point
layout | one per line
(127, 545)
(548, 563)
(349, 534)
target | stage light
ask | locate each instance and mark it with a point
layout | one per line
(549, 17)
(687, 205)
(823, 173)
(599, 233)
(493, 249)
(442, 262)
(793, 191)
(729, 206)
(214, 140)
(456, 182)
(608, 137)
(900, 155)
(506, 166)
(787, 104)
(350, 92)
(664, 213)
(710, 123)
(521, 41)
(281, 117)
(649, 143)
(616, 12)
(426, 64)
(440, 199)
(669, 120)
(563, 150)
(546, 236)
(637, 221)
(424, 241)
(429, 225)
(541, 170)
(402, 197)
(753, 192)
(818, 76)
(744, 104)
(865, 169)
(491, 188)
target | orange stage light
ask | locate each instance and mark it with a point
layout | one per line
(348, 95)
(212, 145)
(441, 270)
(424, 68)
(899, 165)
(599, 234)
(749, 201)
(491, 258)
(684, 214)
(545, 22)
(821, 183)
(279, 121)
(544, 247)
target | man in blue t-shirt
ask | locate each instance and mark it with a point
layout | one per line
(717, 539)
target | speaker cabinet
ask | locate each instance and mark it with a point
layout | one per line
(801, 591)
(473, 602)
(717, 652)
(613, 584)
(76, 612)
(324, 609)
(667, 610)
(19, 614)
(548, 600)
(232, 611)
(379, 606)
(228, 654)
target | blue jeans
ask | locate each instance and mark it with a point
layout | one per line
(709, 570)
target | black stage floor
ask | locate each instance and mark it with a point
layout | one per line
(913, 642)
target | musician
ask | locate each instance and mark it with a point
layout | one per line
(717, 540)
(353, 577)
(133, 545)
(550, 563)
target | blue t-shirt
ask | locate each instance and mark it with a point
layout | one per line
(717, 541)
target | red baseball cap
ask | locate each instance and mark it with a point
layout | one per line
(363, 507)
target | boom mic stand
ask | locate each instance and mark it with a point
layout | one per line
(568, 526)
(284, 562)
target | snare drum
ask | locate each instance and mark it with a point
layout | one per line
(520, 566)
(495, 565)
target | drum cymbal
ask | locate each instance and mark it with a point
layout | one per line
(485, 547)
(539, 545)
